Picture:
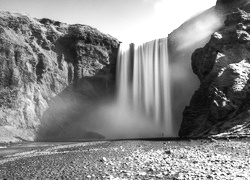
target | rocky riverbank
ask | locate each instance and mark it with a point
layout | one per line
(195, 159)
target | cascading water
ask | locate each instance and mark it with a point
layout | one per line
(143, 82)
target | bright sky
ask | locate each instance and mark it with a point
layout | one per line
(127, 20)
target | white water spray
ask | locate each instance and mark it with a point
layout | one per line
(143, 82)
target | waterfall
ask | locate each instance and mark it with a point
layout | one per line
(143, 82)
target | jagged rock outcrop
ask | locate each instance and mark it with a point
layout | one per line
(182, 43)
(221, 106)
(45, 62)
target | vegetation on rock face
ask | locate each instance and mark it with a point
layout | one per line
(42, 60)
(220, 107)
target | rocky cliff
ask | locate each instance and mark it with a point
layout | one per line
(221, 106)
(182, 43)
(48, 70)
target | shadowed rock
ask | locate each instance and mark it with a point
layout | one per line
(39, 59)
(220, 107)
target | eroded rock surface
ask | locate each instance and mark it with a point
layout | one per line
(220, 107)
(44, 63)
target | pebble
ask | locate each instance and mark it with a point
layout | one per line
(167, 152)
(88, 176)
(142, 173)
(103, 159)
(182, 160)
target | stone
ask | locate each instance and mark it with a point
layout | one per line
(167, 152)
(192, 34)
(142, 173)
(46, 67)
(88, 176)
(220, 107)
(103, 159)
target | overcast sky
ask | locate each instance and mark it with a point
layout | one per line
(127, 20)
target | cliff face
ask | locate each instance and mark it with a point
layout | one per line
(220, 106)
(44, 63)
(182, 43)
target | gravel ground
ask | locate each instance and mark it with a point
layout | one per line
(195, 159)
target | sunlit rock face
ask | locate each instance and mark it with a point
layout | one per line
(44, 64)
(220, 106)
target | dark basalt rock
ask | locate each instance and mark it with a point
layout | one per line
(43, 61)
(220, 107)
